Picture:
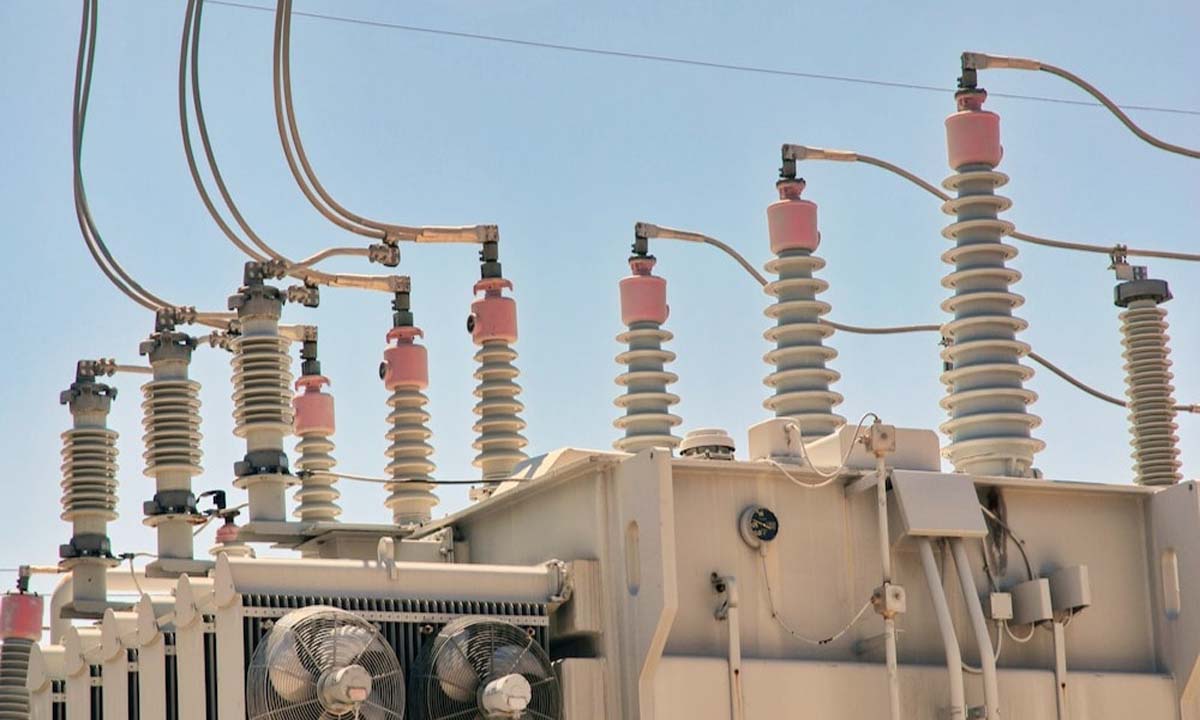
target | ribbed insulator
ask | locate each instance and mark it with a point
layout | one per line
(410, 499)
(317, 495)
(1148, 387)
(262, 384)
(171, 419)
(89, 471)
(801, 380)
(14, 671)
(499, 427)
(990, 426)
(647, 421)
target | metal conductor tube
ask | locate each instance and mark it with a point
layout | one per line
(262, 397)
(493, 327)
(171, 420)
(89, 484)
(990, 426)
(801, 380)
(1148, 381)
(405, 372)
(647, 421)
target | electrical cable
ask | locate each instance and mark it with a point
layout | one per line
(1009, 531)
(306, 177)
(685, 61)
(289, 135)
(999, 646)
(827, 477)
(387, 481)
(1115, 110)
(983, 61)
(189, 84)
(791, 631)
(1021, 640)
(688, 236)
(84, 66)
(1110, 250)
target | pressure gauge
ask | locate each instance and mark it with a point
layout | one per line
(758, 526)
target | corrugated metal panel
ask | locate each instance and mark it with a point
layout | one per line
(172, 672)
(58, 699)
(405, 624)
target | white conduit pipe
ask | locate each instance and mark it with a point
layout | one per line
(958, 701)
(885, 559)
(1060, 670)
(987, 657)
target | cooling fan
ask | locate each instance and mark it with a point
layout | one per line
(479, 668)
(322, 663)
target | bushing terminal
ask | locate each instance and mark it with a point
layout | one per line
(493, 316)
(643, 294)
(792, 221)
(972, 133)
(313, 408)
(405, 363)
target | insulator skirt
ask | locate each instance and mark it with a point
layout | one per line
(262, 382)
(411, 497)
(14, 672)
(499, 442)
(990, 426)
(89, 471)
(1150, 393)
(171, 419)
(647, 421)
(801, 381)
(317, 496)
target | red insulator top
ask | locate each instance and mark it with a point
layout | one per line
(313, 408)
(643, 294)
(791, 221)
(21, 617)
(972, 133)
(493, 316)
(406, 364)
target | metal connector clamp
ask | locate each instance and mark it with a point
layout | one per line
(889, 600)
(307, 295)
(385, 253)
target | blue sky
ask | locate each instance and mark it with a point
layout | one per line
(565, 152)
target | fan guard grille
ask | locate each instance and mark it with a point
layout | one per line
(471, 652)
(284, 678)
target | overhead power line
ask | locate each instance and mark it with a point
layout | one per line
(669, 59)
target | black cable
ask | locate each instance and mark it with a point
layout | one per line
(688, 61)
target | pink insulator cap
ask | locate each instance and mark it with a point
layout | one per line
(972, 133)
(314, 409)
(791, 221)
(406, 364)
(227, 533)
(493, 316)
(21, 617)
(643, 295)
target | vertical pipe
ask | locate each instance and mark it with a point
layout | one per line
(648, 420)
(885, 561)
(801, 379)
(1060, 670)
(987, 657)
(958, 703)
(730, 612)
(990, 426)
